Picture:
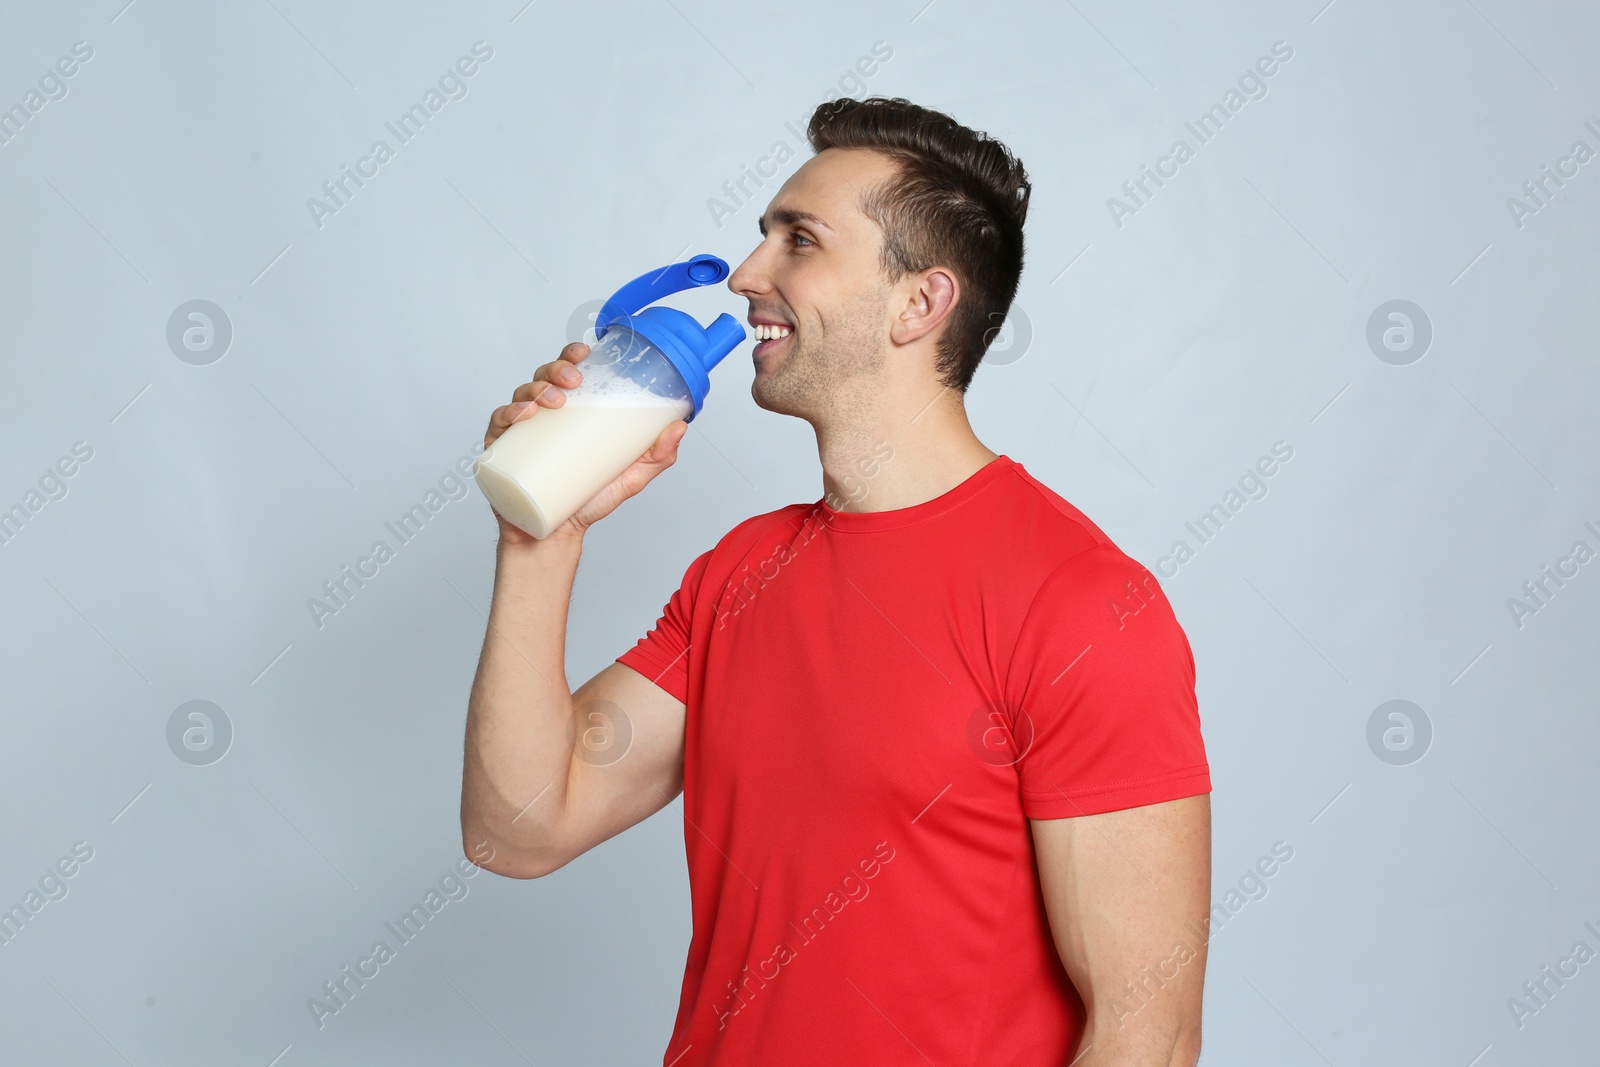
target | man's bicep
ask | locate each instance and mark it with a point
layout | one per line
(627, 756)
(1127, 894)
(628, 728)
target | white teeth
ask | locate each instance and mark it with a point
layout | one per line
(768, 333)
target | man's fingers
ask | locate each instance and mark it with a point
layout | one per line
(663, 452)
(550, 374)
(545, 393)
(666, 446)
(504, 417)
(540, 394)
(548, 389)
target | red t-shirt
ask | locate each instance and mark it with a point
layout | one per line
(860, 686)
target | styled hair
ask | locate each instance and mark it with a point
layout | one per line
(959, 201)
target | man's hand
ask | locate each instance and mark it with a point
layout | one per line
(548, 390)
(1128, 893)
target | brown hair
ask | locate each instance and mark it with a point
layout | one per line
(959, 201)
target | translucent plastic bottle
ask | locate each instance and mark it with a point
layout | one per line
(647, 369)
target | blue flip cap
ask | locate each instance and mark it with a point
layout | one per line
(692, 349)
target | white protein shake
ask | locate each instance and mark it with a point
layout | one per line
(543, 469)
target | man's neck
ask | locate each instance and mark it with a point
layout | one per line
(899, 456)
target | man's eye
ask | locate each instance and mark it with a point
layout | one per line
(797, 238)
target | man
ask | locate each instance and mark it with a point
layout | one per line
(945, 792)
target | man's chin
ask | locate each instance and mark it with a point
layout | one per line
(763, 385)
(770, 399)
(761, 396)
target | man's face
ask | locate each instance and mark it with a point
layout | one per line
(817, 272)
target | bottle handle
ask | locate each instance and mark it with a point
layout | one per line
(647, 288)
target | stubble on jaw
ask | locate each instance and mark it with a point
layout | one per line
(835, 376)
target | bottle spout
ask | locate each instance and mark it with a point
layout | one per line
(722, 337)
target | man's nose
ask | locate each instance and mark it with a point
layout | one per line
(750, 277)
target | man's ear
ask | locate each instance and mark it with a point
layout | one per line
(925, 300)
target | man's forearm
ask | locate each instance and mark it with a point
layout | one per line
(1106, 1045)
(518, 748)
(1152, 1019)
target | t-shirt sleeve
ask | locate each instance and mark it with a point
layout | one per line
(662, 655)
(1102, 688)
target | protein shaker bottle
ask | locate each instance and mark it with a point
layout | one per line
(648, 367)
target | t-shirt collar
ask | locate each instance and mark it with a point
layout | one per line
(865, 521)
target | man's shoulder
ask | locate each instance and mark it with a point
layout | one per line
(790, 517)
(1053, 535)
(1056, 517)
(1071, 574)
(777, 525)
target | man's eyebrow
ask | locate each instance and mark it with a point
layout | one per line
(790, 216)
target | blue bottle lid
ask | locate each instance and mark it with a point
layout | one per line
(692, 349)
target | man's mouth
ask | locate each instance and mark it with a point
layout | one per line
(769, 337)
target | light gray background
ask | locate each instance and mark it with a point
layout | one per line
(1166, 355)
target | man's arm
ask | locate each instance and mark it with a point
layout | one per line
(541, 783)
(1127, 893)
